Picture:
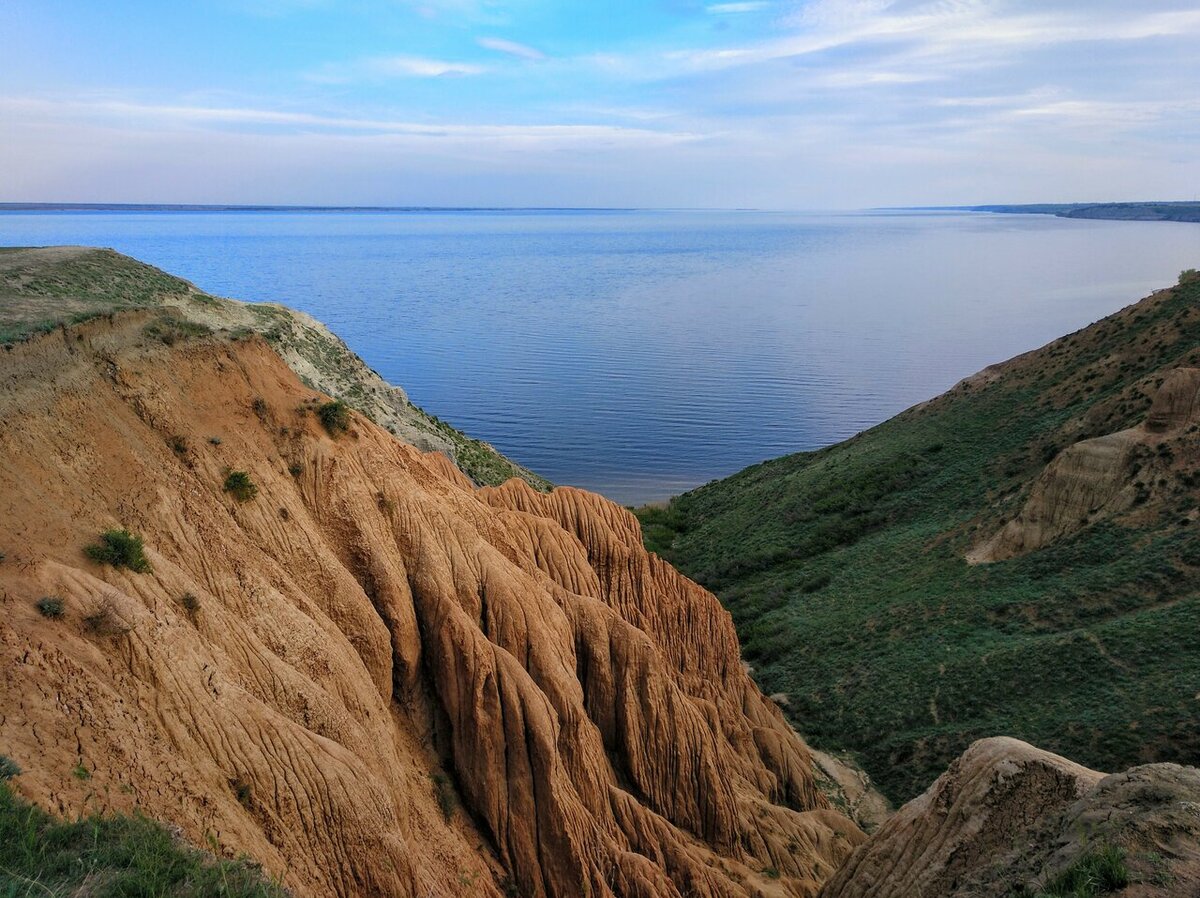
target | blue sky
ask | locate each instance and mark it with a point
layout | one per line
(765, 103)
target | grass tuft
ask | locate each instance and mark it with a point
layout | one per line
(51, 606)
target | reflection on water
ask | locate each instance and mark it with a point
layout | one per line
(642, 353)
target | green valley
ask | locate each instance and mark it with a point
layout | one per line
(846, 569)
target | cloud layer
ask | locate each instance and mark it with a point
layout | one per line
(830, 103)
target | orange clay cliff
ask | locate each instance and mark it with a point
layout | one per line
(362, 671)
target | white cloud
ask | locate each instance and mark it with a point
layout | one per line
(124, 113)
(512, 48)
(418, 67)
(400, 66)
(720, 9)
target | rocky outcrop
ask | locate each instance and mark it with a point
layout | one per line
(1007, 818)
(1102, 477)
(371, 676)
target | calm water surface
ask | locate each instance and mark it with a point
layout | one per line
(643, 353)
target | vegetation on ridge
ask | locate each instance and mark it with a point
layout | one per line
(844, 569)
(46, 288)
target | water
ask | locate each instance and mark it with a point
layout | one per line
(643, 353)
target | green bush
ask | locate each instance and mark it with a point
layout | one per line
(241, 486)
(335, 416)
(50, 606)
(120, 548)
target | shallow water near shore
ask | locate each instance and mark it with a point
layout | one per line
(640, 353)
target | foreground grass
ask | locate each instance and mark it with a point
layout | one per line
(844, 570)
(111, 856)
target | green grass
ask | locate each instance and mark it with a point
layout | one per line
(120, 548)
(1098, 872)
(111, 856)
(844, 571)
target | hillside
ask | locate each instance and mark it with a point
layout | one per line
(42, 288)
(1072, 625)
(231, 605)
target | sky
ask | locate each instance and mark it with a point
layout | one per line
(796, 104)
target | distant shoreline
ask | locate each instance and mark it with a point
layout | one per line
(234, 207)
(1183, 211)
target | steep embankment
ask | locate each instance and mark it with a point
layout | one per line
(354, 666)
(1074, 468)
(45, 287)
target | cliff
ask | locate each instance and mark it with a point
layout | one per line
(42, 288)
(342, 659)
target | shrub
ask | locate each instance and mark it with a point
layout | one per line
(190, 603)
(50, 606)
(335, 416)
(101, 617)
(8, 768)
(241, 486)
(216, 441)
(260, 407)
(178, 443)
(120, 548)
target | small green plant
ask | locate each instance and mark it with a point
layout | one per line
(216, 441)
(443, 791)
(120, 548)
(50, 606)
(335, 416)
(8, 768)
(241, 486)
(81, 773)
(190, 603)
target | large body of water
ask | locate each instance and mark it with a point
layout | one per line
(643, 353)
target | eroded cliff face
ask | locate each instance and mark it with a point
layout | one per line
(1108, 475)
(371, 677)
(1010, 819)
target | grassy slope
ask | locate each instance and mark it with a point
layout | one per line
(844, 570)
(69, 285)
(111, 856)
